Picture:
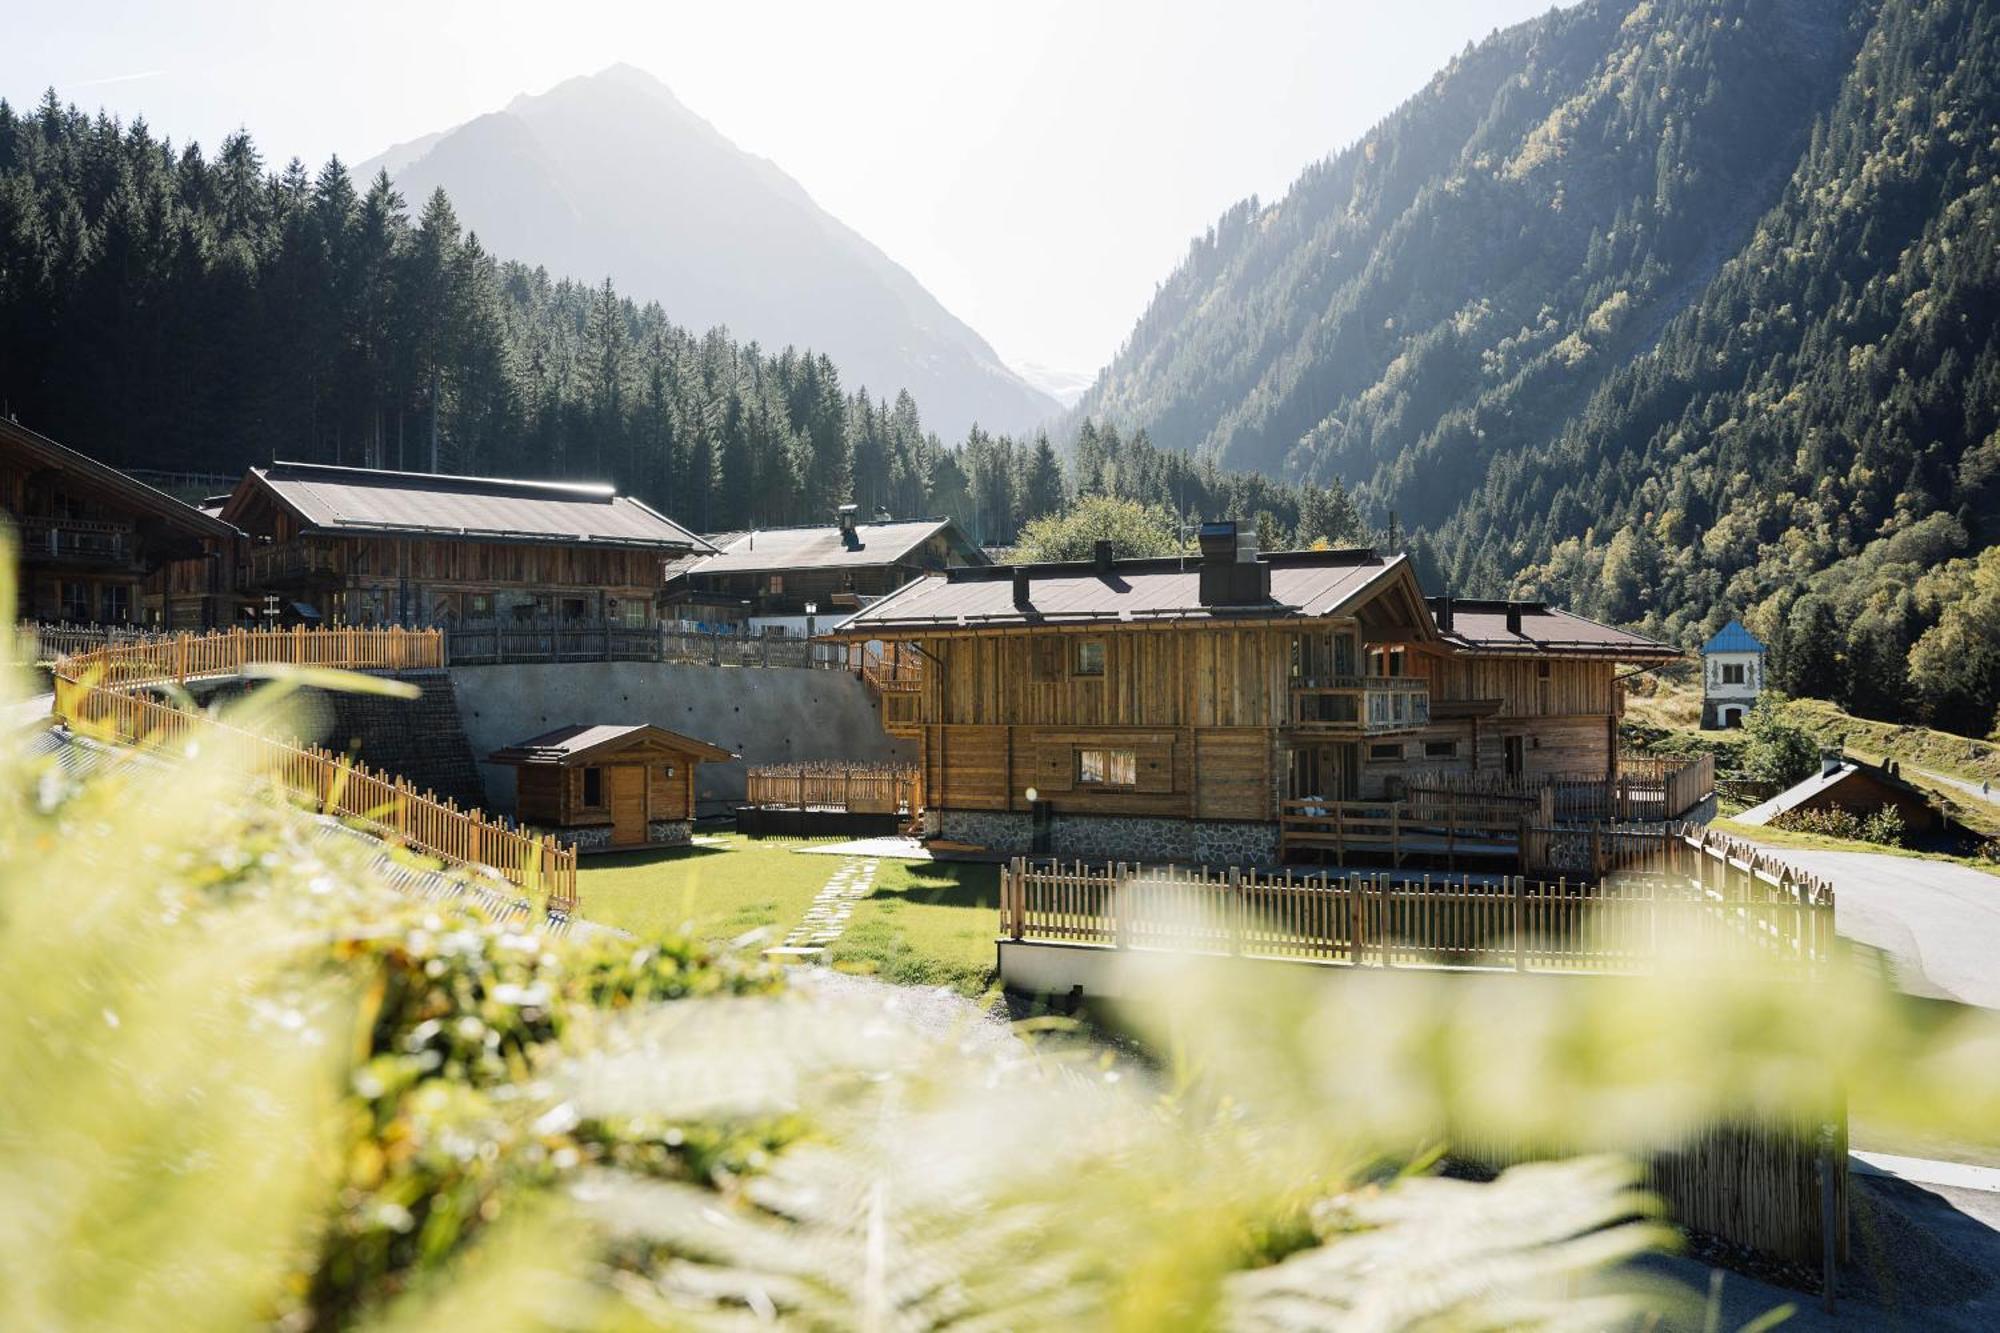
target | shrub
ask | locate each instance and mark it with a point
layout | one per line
(1884, 826)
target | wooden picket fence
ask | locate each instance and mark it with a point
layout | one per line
(856, 788)
(100, 693)
(1699, 892)
(43, 644)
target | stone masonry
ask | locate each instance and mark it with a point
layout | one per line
(1214, 842)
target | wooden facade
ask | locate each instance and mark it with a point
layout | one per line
(370, 547)
(96, 545)
(1225, 713)
(609, 786)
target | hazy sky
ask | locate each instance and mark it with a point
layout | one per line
(1040, 165)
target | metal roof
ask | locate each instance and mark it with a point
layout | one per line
(423, 504)
(1831, 775)
(1733, 638)
(1303, 584)
(1481, 627)
(572, 742)
(128, 488)
(824, 546)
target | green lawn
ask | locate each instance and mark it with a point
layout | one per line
(928, 923)
(718, 892)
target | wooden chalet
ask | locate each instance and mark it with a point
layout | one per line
(1173, 709)
(96, 545)
(600, 787)
(775, 573)
(366, 546)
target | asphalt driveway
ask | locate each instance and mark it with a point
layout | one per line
(1939, 923)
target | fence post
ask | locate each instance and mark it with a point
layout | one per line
(1012, 899)
(715, 649)
(1235, 911)
(1520, 924)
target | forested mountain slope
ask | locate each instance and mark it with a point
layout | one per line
(612, 174)
(1663, 309)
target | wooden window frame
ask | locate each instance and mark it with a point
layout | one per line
(1076, 664)
(1742, 676)
(1375, 755)
(593, 774)
(1111, 760)
(1450, 750)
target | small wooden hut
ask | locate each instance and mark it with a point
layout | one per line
(609, 786)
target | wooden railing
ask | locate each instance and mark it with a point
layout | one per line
(858, 789)
(496, 642)
(80, 539)
(98, 693)
(895, 668)
(1441, 826)
(1646, 788)
(1359, 704)
(1698, 892)
(43, 644)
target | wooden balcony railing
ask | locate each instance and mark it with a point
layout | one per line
(305, 559)
(77, 540)
(1398, 829)
(1360, 705)
(98, 692)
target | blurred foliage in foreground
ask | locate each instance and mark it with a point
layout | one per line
(262, 1088)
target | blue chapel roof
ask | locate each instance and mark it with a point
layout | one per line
(1733, 638)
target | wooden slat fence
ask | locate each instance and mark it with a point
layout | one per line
(42, 644)
(100, 693)
(1441, 824)
(493, 643)
(856, 788)
(1697, 889)
(1647, 787)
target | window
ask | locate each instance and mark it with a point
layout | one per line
(478, 606)
(1732, 673)
(1440, 749)
(1107, 768)
(1089, 660)
(117, 609)
(774, 583)
(575, 608)
(593, 788)
(76, 602)
(1388, 751)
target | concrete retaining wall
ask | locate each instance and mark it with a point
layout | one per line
(766, 714)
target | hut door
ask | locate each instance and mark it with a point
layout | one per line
(628, 804)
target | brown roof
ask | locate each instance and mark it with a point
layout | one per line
(822, 546)
(346, 499)
(1303, 584)
(568, 744)
(126, 488)
(1481, 627)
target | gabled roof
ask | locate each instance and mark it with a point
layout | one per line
(1830, 777)
(328, 499)
(1304, 584)
(1482, 627)
(1733, 638)
(824, 546)
(130, 490)
(567, 745)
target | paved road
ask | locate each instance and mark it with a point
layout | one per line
(1971, 789)
(1939, 922)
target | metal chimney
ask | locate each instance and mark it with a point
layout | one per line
(1513, 617)
(1103, 557)
(1021, 596)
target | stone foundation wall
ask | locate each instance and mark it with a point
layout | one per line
(1117, 837)
(670, 833)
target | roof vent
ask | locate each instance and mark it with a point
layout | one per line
(1513, 617)
(1021, 596)
(1231, 573)
(1103, 551)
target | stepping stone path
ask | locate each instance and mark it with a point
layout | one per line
(827, 917)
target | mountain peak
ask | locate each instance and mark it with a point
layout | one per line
(610, 173)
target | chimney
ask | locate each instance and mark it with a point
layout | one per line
(1830, 761)
(1441, 610)
(844, 517)
(1513, 617)
(1104, 557)
(1021, 599)
(1231, 573)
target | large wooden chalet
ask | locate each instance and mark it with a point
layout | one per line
(1169, 709)
(98, 547)
(372, 547)
(774, 574)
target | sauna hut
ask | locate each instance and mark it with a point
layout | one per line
(603, 787)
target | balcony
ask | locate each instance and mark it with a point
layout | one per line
(291, 562)
(78, 541)
(1359, 705)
